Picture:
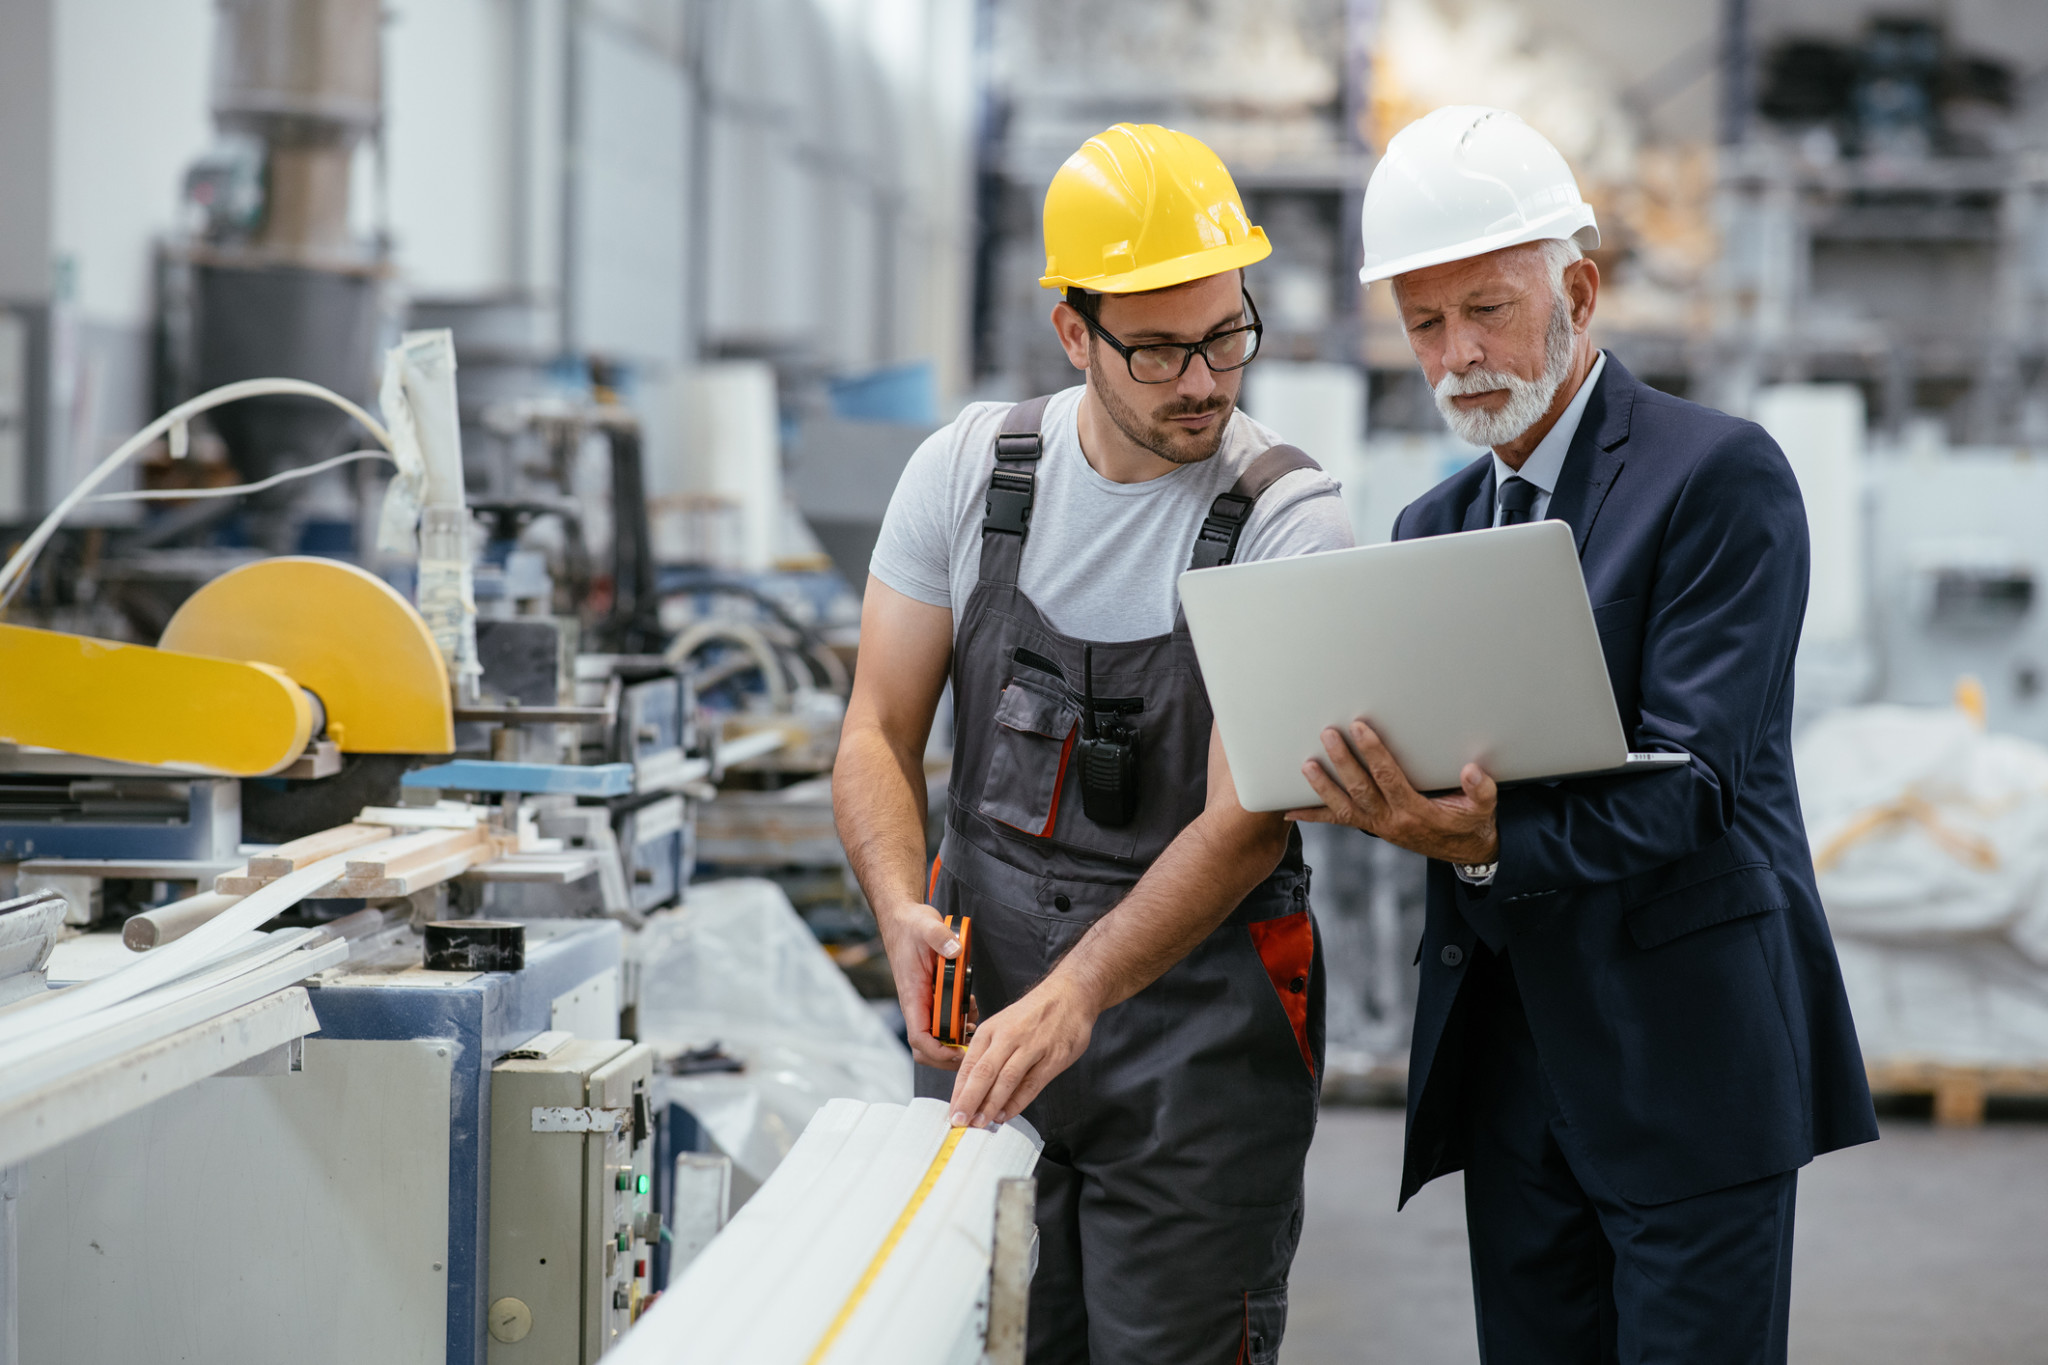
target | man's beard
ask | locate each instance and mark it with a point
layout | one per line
(1528, 399)
(1156, 433)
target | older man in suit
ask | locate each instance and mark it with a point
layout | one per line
(1631, 1030)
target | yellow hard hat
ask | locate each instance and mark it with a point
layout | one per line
(1142, 207)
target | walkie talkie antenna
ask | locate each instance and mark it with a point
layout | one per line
(1088, 692)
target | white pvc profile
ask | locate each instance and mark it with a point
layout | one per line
(925, 1303)
(191, 953)
(806, 1274)
(271, 963)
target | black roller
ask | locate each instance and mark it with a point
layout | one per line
(476, 945)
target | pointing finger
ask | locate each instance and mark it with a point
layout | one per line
(1002, 1095)
(984, 1061)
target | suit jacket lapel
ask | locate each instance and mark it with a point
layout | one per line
(1597, 452)
(1479, 511)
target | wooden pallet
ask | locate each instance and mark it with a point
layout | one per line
(1959, 1089)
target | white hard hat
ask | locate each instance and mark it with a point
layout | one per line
(1462, 181)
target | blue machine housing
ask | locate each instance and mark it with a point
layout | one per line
(57, 816)
(482, 1015)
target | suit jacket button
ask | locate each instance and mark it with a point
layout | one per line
(1061, 903)
(1452, 955)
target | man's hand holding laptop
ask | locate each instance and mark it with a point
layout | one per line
(1370, 792)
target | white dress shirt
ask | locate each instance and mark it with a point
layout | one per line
(1542, 467)
(1546, 461)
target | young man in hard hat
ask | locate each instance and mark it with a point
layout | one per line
(1631, 1029)
(1144, 962)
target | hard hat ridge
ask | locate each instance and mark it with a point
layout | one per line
(1141, 207)
(1462, 181)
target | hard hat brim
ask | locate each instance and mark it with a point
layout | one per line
(1196, 265)
(1574, 223)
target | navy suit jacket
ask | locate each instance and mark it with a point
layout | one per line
(1664, 929)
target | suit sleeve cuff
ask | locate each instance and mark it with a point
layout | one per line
(1518, 860)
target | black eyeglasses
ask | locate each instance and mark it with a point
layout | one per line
(1162, 362)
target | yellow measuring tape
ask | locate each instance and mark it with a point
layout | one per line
(874, 1270)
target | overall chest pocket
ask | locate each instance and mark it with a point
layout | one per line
(1035, 729)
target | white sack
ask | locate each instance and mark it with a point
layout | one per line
(1924, 827)
(1930, 841)
(736, 965)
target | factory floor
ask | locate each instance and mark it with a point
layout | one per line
(1925, 1246)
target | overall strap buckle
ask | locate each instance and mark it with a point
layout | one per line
(1010, 487)
(1216, 543)
(1022, 446)
(1009, 503)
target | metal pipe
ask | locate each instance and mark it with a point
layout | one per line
(361, 924)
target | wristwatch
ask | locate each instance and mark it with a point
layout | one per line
(1477, 874)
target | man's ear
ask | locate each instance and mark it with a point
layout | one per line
(1582, 287)
(1075, 338)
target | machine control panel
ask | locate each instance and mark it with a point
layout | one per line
(572, 1199)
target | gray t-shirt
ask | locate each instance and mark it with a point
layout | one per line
(1103, 559)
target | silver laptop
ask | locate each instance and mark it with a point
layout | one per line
(1470, 648)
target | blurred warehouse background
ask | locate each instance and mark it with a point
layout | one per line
(713, 268)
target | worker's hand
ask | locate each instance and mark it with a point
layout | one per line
(1016, 1052)
(915, 937)
(1370, 792)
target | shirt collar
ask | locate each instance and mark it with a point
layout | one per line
(1546, 461)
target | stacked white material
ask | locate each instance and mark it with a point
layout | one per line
(736, 966)
(1930, 838)
(223, 964)
(29, 926)
(871, 1243)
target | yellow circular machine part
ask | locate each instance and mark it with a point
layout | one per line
(135, 704)
(342, 633)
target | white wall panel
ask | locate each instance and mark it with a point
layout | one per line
(26, 81)
(131, 113)
(628, 239)
(449, 140)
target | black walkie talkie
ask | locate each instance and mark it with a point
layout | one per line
(1109, 758)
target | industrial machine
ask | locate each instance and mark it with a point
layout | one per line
(339, 766)
(348, 1181)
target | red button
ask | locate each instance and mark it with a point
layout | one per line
(639, 1270)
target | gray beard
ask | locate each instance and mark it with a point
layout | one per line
(1528, 399)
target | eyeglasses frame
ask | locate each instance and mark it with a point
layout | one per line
(1188, 349)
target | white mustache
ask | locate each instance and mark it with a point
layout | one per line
(1478, 381)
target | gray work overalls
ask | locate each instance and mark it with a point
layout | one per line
(1169, 1191)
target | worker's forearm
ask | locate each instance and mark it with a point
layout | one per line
(1197, 882)
(878, 804)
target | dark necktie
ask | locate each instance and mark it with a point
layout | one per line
(1517, 496)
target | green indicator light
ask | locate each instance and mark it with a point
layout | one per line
(644, 1184)
(622, 1241)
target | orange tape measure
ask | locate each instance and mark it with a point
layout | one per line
(952, 984)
